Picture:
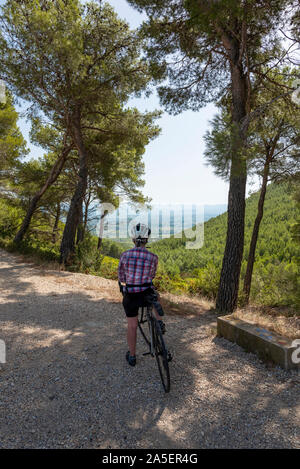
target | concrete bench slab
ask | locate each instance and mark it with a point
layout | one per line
(267, 345)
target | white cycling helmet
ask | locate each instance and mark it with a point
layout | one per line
(140, 231)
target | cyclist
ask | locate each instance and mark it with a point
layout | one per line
(137, 268)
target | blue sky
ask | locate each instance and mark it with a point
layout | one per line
(175, 169)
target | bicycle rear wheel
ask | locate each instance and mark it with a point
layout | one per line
(161, 355)
(144, 327)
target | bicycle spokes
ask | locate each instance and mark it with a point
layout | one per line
(161, 355)
(153, 337)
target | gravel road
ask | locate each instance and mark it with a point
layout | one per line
(66, 383)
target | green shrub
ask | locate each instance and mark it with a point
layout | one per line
(206, 283)
(10, 219)
(276, 285)
(109, 268)
(41, 250)
(87, 258)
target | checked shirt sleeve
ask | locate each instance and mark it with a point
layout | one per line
(154, 267)
(121, 270)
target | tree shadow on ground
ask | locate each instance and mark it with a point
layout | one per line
(66, 382)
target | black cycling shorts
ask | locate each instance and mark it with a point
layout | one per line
(133, 301)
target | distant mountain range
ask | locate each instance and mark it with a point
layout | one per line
(164, 220)
(211, 211)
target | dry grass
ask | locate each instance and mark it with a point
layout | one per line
(184, 305)
(36, 261)
(277, 320)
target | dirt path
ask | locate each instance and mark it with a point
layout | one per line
(66, 383)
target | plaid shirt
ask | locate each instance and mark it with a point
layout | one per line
(137, 266)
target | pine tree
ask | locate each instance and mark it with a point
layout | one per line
(73, 62)
(272, 152)
(205, 49)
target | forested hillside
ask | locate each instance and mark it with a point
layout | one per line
(275, 271)
(275, 240)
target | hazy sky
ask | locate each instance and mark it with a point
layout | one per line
(174, 163)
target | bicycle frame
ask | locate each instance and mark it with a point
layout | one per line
(156, 344)
(149, 319)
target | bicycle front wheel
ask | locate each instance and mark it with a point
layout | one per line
(161, 355)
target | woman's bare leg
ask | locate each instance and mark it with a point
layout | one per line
(131, 334)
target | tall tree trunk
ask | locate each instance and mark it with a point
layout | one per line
(86, 213)
(100, 236)
(80, 234)
(55, 226)
(83, 219)
(67, 247)
(229, 281)
(55, 172)
(259, 216)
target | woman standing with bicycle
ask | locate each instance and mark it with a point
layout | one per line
(137, 269)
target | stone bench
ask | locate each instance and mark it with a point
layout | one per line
(269, 346)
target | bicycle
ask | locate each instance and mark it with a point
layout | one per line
(154, 339)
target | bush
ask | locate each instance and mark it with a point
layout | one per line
(87, 258)
(276, 285)
(206, 283)
(10, 220)
(109, 268)
(41, 250)
(113, 248)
